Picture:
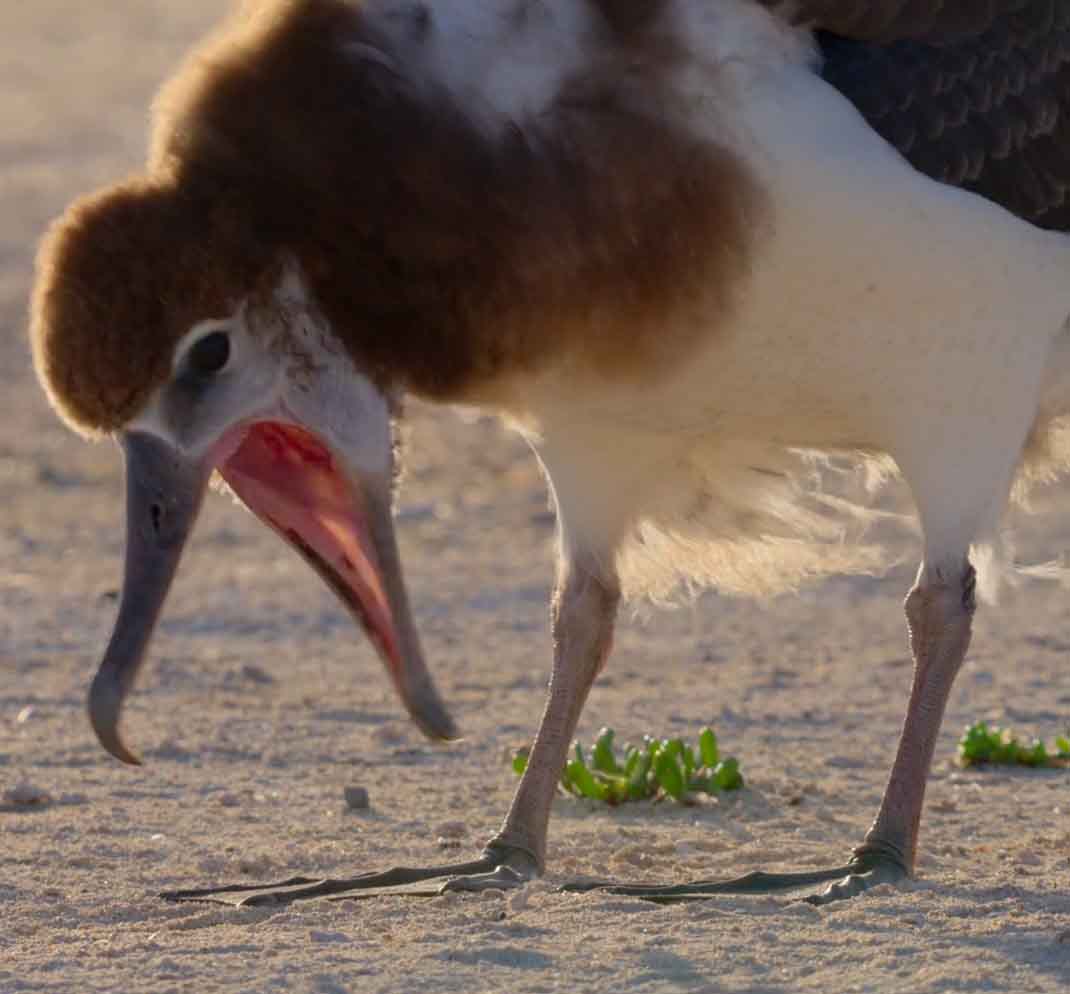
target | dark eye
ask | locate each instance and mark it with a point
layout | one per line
(209, 354)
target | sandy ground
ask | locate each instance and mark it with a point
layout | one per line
(262, 703)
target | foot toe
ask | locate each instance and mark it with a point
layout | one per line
(855, 883)
(500, 878)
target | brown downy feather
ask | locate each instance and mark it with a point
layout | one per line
(442, 256)
(121, 277)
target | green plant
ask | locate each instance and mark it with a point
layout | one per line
(668, 767)
(982, 744)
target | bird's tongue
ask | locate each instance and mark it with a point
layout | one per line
(289, 479)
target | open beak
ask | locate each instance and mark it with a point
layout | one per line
(341, 526)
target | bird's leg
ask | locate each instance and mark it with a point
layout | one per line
(583, 616)
(939, 612)
(584, 611)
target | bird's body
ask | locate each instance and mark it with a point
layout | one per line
(924, 343)
(653, 238)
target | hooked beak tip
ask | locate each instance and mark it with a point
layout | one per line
(430, 714)
(105, 702)
(444, 732)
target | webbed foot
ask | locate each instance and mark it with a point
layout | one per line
(867, 868)
(501, 867)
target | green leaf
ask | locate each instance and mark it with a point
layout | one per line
(638, 779)
(616, 787)
(726, 775)
(671, 779)
(983, 744)
(588, 786)
(674, 747)
(672, 766)
(707, 745)
(688, 757)
(979, 744)
(1037, 755)
(602, 757)
(653, 747)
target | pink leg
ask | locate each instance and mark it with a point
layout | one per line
(584, 612)
(939, 612)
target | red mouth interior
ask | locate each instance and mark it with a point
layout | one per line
(289, 479)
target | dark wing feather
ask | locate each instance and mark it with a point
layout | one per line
(990, 112)
(897, 20)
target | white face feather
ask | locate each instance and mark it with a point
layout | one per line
(284, 366)
(252, 384)
(324, 390)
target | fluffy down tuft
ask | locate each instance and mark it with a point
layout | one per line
(121, 277)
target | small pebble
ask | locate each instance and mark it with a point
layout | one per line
(356, 798)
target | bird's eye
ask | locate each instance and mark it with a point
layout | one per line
(209, 354)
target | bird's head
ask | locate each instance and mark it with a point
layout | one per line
(160, 319)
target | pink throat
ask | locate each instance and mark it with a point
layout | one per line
(289, 479)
